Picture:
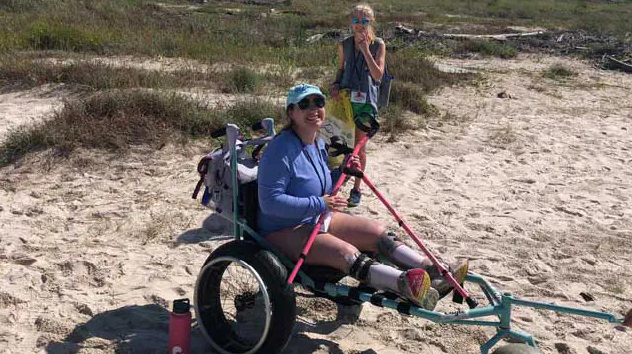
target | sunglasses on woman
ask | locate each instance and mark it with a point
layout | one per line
(306, 103)
(364, 21)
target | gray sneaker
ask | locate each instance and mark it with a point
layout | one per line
(443, 286)
(354, 198)
(431, 300)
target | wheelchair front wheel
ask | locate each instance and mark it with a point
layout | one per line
(516, 348)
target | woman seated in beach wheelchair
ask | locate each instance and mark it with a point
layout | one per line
(244, 303)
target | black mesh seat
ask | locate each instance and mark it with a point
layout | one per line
(248, 208)
(248, 203)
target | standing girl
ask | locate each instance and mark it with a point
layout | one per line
(361, 59)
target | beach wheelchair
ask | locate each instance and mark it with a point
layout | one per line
(243, 301)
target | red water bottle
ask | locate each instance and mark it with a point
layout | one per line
(180, 327)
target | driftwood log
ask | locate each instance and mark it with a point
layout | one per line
(498, 37)
(617, 64)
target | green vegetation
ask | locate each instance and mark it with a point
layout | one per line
(558, 72)
(242, 31)
(598, 16)
(262, 47)
(487, 48)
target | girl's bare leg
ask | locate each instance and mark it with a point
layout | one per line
(359, 134)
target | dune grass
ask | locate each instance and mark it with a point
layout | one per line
(558, 72)
(264, 42)
(263, 32)
(114, 120)
(487, 48)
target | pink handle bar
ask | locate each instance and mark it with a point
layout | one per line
(444, 272)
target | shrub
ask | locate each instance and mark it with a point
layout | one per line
(241, 80)
(394, 120)
(558, 72)
(488, 48)
(46, 37)
(409, 96)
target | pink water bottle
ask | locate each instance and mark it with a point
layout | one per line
(180, 327)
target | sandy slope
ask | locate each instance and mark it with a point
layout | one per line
(19, 107)
(535, 190)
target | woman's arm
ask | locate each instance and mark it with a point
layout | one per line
(273, 179)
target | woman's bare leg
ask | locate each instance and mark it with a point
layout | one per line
(327, 250)
(361, 232)
(338, 252)
(371, 236)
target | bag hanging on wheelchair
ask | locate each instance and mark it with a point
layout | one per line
(214, 170)
(215, 175)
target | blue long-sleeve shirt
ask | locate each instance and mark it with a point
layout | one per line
(291, 185)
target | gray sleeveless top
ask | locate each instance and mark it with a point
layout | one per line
(356, 75)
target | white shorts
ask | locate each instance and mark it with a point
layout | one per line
(325, 227)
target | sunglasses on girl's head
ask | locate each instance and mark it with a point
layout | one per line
(364, 21)
(305, 103)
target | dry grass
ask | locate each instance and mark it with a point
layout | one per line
(411, 97)
(410, 65)
(117, 119)
(16, 70)
(559, 72)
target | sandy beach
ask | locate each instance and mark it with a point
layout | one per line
(534, 188)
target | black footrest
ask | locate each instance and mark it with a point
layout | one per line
(456, 297)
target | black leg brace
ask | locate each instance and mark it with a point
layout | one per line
(360, 268)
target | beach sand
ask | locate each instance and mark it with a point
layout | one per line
(534, 189)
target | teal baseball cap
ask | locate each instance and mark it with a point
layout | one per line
(301, 91)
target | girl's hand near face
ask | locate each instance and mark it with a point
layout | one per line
(360, 37)
(363, 43)
(364, 47)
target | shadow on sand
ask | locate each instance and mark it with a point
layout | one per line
(130, 329)
(145, 329)
(214, 228)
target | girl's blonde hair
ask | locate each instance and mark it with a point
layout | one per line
(366, 10)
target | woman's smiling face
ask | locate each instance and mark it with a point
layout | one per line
(309, 113)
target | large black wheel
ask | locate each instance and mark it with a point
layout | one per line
(516, 348)
(242, 303)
